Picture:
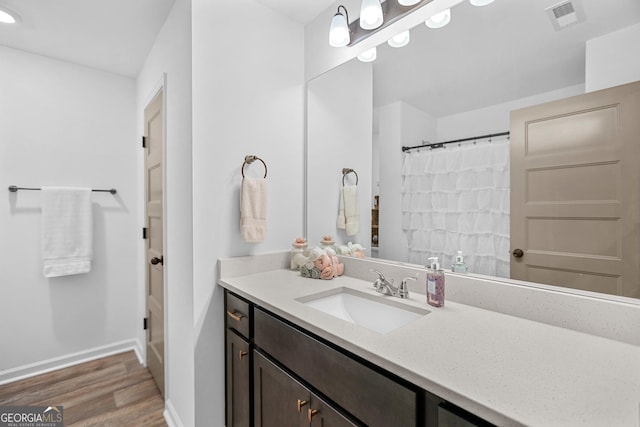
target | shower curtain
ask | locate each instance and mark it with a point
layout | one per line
(457, 198)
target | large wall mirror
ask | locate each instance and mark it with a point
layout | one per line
(456, 82)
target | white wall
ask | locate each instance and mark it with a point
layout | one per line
(613, 59)
(495, 118)
(65, 125)
(248, 98)
(171, 54)
(400, 125)
(339, 135)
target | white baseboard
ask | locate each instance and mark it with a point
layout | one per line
(140, 354)
(170, 415)
(33, 369)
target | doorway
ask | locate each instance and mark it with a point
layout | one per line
(575, 185)
(154, 232)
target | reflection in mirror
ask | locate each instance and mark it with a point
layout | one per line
(339, 123)
(461, 81)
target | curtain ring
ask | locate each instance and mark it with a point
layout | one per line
(346, 171)
(250, 159)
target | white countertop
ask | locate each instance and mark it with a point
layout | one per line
(505, 369)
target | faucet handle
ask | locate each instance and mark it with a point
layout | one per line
(403, 290)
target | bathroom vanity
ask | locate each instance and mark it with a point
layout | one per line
(291, 362)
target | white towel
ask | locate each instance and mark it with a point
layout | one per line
(253, 209)
(341, 223)
(352, 217)
(67, 231)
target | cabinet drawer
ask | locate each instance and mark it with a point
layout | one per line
(367, 394)
(237, 314)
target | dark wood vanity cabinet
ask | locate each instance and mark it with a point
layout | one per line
(280, 400)
(365, 393)
(238, 357)
(279, 375)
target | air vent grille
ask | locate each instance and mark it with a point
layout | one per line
(563, 9)
(565, 13)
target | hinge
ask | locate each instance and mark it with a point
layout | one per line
(144, 324)
(144, 142)
(144, 232)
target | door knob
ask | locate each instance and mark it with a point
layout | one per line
(155, 260)
(518, 253)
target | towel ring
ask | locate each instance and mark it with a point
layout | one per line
(250, 159)
(347, 171)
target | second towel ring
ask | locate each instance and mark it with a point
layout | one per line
(250, 159)
(347, 171)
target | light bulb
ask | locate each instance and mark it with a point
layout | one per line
(439, 20)
(370, 14)
(339, 31)
(368, 55)
(480, 2)
(400, 40)
(6, 17)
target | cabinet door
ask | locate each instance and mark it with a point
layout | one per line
(280, 401)
(451, 416)
(238, 393)
(440, 413)
(320, 414)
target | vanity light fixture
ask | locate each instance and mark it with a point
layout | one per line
(400, 40)
(7, 17)
(480, 2)
(371, 14)
(339, 34)
(368, 55)
(439, 20)
(375, 16)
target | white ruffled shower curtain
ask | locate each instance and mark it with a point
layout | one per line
(457, 198)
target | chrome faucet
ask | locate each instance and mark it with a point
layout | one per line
(383, 286)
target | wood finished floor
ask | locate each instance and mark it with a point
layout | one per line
(113, 391)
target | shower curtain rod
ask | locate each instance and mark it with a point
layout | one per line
(15, 188)
(442, 144)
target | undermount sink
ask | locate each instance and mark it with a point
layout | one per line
(376, 313)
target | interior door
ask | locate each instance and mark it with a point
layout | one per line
(154, 250)
(574, 192)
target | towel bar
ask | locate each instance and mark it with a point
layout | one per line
(347, 171)
(15, 188)
(250, 159)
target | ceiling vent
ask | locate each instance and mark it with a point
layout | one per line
(565, 13)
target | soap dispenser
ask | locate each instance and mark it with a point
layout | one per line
(458, 265)
(435, 283)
